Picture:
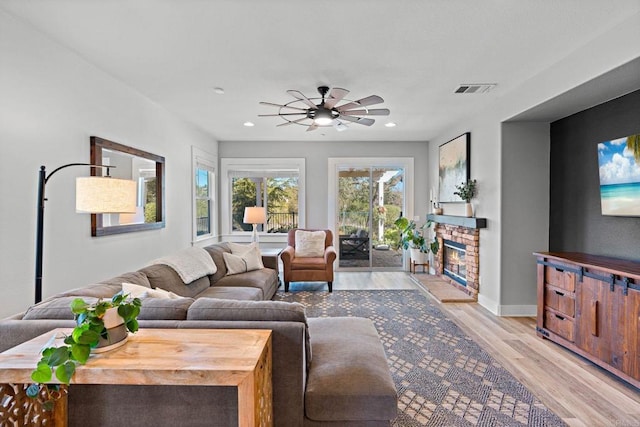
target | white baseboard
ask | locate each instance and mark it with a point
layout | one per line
(489, 304)
(518, 310)
(507, 310)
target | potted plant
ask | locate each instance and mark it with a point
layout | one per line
(467, 191)
(99, 326)
(412, 238)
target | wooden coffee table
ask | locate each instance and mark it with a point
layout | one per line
(199, 357)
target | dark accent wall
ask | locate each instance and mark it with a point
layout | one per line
(575, 220)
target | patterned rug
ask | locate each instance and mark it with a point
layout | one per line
(442, 376)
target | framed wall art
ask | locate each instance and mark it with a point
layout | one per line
(453, 167)
(619, 162)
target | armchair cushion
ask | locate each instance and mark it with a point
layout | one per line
(309, 244)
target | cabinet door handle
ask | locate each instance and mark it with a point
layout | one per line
(561, 270)
(594, 318)
(559, 293)
(559, 317)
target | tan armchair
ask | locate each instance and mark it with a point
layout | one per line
(305, 269)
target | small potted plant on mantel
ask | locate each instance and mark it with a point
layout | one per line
(467, 191)
(101, 326)
(412, 238)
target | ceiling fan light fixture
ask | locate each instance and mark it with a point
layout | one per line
(323, 117)
(334, 109)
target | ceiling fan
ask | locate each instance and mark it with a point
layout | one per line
(327, 112)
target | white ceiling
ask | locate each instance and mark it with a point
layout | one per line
(412, 53)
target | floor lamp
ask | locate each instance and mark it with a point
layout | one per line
(94, 194)
(255, 215)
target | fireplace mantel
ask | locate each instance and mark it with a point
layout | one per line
(461, 221)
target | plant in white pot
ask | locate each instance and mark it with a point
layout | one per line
(467, 191)
(100, 326)
(412, 238)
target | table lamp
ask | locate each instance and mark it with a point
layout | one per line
(255, 215)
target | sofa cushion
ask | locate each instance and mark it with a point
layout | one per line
(191, 263)
(56, 308)
(349, 377)
(232, 292)
(99, 290)
(135, 277)
(135, 291)
(260, 311)
(265, 279)
(164, 277)
(164, 308)
(309, 243)
(216, 252)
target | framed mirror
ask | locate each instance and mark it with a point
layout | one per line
(147, 170)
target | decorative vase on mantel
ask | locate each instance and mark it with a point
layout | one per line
(468, 209)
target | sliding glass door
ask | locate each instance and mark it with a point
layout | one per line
(369, 200)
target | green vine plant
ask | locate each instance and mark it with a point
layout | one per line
(412, 236)
(62, 360)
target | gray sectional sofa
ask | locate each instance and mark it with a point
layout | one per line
(326, 371)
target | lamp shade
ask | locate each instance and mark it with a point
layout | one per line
(255, 215)
(96, 194)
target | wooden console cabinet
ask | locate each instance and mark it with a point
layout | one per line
(591, 305)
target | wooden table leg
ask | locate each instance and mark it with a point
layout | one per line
(255, 396)
(18, 409)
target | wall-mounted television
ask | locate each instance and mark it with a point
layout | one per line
(619, 161)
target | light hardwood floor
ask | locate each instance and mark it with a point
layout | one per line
(578, 391)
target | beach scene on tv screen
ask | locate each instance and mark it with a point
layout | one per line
(619, 161)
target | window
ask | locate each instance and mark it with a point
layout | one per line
(204, 184)
(203, 201)
(277, 184)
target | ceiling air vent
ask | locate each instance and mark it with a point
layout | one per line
(475, 88)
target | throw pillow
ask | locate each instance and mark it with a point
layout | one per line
(240, 249)
(248, 261)
(310, 243)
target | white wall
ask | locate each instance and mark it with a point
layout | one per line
(525, 213)
(317, 154)
(51, 102)
(600, 55)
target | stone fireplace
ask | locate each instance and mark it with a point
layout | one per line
(458, 260)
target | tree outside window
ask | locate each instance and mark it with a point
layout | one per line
(278, 194)
(203, 202)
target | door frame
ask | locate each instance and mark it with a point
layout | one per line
(333, 163)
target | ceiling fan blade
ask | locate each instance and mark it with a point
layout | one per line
(312, 127)
(282, 114)
(359, 120)
(298, 95)
(369, 100)
(291, 122)
(281, 106)
(335, 96)
(340, 126)
(373, 112)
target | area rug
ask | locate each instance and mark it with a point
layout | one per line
(442, 376)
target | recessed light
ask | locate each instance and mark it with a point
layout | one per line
(249, 124)
(390, 125)
(218, 90)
